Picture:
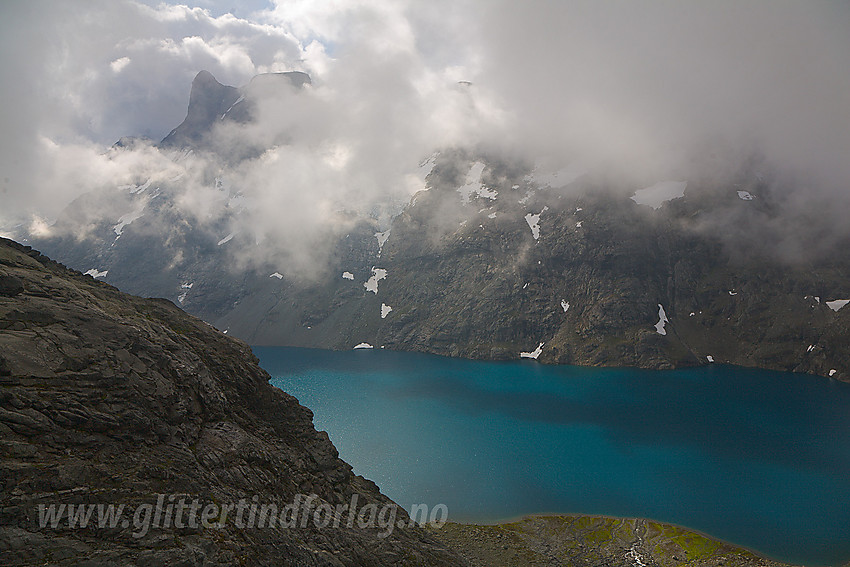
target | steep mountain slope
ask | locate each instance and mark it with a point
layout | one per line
(590, 276)
(211, 102)
(494, 259)
(112, 399)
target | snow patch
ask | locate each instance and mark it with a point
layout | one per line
(491, 216)
(127, 219)
(709, 358)
(833, 372)
(811, 348)
(238, 100)
(385, 310)
(226, 239)
(837, 304)
(363, 345)
(658, 194)
(96, 274)
(473, 186)
(382, 238)
(135, 189)
(377, 275)
(565, 305)
(662, 320)
(347, 276)
(185, 287)
(533, 354)
(745, 196)
(277, 275)
(534, 222)
(733, 293)
(488, 193)
(425, 169)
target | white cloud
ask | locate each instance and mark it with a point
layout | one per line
(636, 87)
(119, 64)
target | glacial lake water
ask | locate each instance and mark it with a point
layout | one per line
(756, 458)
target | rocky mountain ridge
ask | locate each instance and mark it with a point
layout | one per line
(497, 259)
(110, 399)
(211, 102)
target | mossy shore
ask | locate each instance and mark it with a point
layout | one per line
(590, 541)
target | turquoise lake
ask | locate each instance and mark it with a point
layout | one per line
(756, 458)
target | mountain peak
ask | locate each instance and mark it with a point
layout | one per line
(204, 77)
(210, 101)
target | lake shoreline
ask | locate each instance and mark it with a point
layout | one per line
(570, 539)
(544, 361)
(748, 455)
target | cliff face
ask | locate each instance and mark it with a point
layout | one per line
(107, 399)
(589, 274)
(211, 102)
(495, 259)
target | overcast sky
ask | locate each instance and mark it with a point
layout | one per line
(633, 84)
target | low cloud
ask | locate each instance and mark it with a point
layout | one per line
(644, 91)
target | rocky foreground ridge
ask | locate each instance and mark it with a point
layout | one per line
(109, 398)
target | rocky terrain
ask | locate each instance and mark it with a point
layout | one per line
(111, 399)
(579, 541)
(494, 258)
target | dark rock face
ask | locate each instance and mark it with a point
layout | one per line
(211, 102)
(466, 274)
(111, 399)
(208, 100)
(471, 280)
(10, 286)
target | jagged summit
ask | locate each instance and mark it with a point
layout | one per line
(203, 78)
(210, 101)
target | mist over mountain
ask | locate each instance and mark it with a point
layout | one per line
(484, 253)
(650, 185)
(637, 93)
(391, 173)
